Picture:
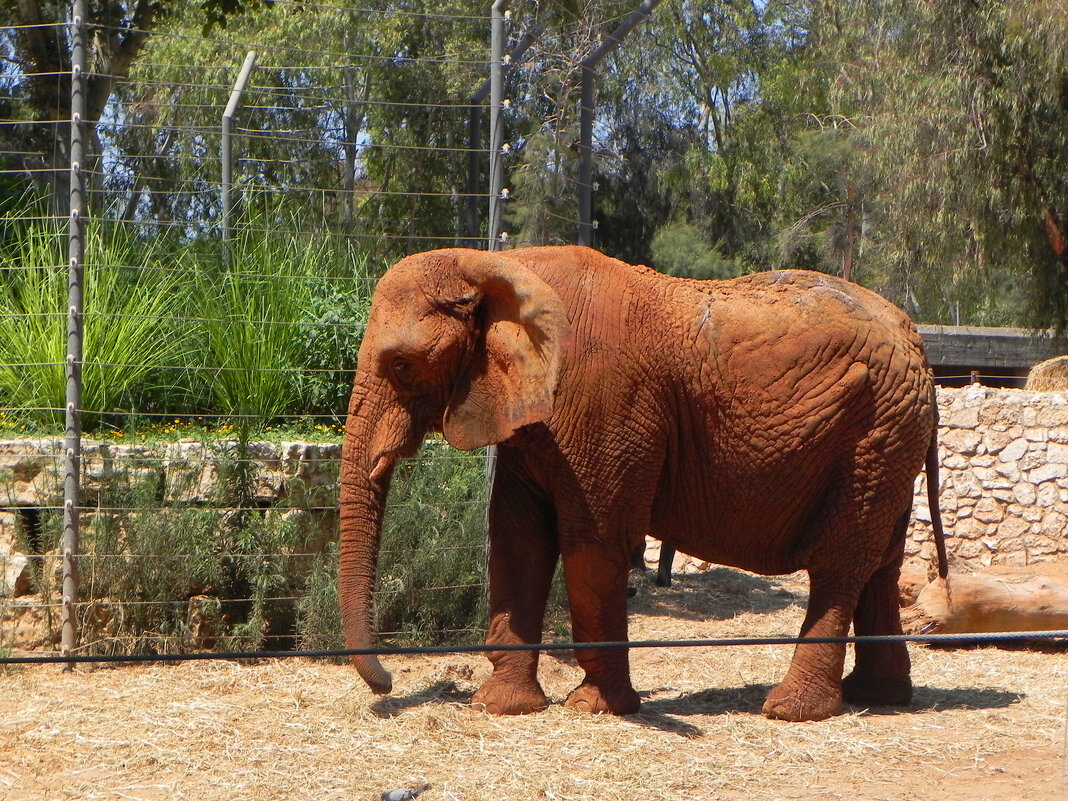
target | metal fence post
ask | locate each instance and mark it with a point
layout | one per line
(496, 176)
(474, 131)
(227, 154)
(586, 109)
(73, 369)
(585, 183)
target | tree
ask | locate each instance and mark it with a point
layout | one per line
(543, 126)
(39, 93)
(964, 108)
(706, 148)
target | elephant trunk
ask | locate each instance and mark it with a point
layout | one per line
(369, 453)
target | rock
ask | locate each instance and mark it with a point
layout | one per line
(962, 441)
(1014, 450)
(1025, 494)
(1048, 472)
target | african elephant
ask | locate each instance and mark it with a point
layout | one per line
(774, 422)
(664, 563)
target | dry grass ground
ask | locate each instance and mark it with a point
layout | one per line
(985, 724)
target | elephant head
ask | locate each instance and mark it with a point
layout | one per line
(459, 341)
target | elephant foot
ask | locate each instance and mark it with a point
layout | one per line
(867, 690)
(598, 700)
(509, 697)
(802, 702)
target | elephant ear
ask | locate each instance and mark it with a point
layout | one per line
(510, 379)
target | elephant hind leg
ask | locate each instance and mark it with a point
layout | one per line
(881, 674)
(844, 549)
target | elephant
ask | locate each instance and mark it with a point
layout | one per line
(774, 422)
(663, 567)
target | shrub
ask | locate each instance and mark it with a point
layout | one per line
(329, 343)
(432, 569)
(431, 566)
(679, 249)
(166, 570)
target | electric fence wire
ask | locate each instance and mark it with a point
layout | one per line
(961, 639)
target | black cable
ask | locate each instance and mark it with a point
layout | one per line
(970, 639)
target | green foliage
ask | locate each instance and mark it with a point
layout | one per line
(250, 348)
(142, 569)
(165, 570)
(336, 314)
(916, 147)
(168, 331)
(959, 111)
(318, 610)
(279, 332)
(678, 249)
(128, 310)
(432, 556)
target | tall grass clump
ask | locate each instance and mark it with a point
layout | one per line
(278, 331)
(132, 296)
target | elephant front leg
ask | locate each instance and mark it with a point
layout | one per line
(812, 688)
(522, 559)
(597, 592)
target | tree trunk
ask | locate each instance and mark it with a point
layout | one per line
(1051, 223)
(1003, 599)
(44, 54)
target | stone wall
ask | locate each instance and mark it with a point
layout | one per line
(293, 481)
(1003, 482)
(1003, 491)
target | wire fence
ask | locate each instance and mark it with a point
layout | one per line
(192, 221)
(214, 379)
(1004, 638)
(182, 502)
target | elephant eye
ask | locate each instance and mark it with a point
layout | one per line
(403, 369)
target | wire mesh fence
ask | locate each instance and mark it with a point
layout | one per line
(224, 275)
(218, 337)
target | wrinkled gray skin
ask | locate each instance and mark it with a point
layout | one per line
(773, 422)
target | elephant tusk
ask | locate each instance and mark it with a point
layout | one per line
(382, 468)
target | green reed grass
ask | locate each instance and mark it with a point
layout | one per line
(128, 332)
(169, 331)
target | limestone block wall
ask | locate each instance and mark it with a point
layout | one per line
(1003, 487)
(1003, 483)
(292, 481)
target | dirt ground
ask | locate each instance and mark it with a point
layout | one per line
(985, 724)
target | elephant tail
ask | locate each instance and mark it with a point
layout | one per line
(932, 502)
